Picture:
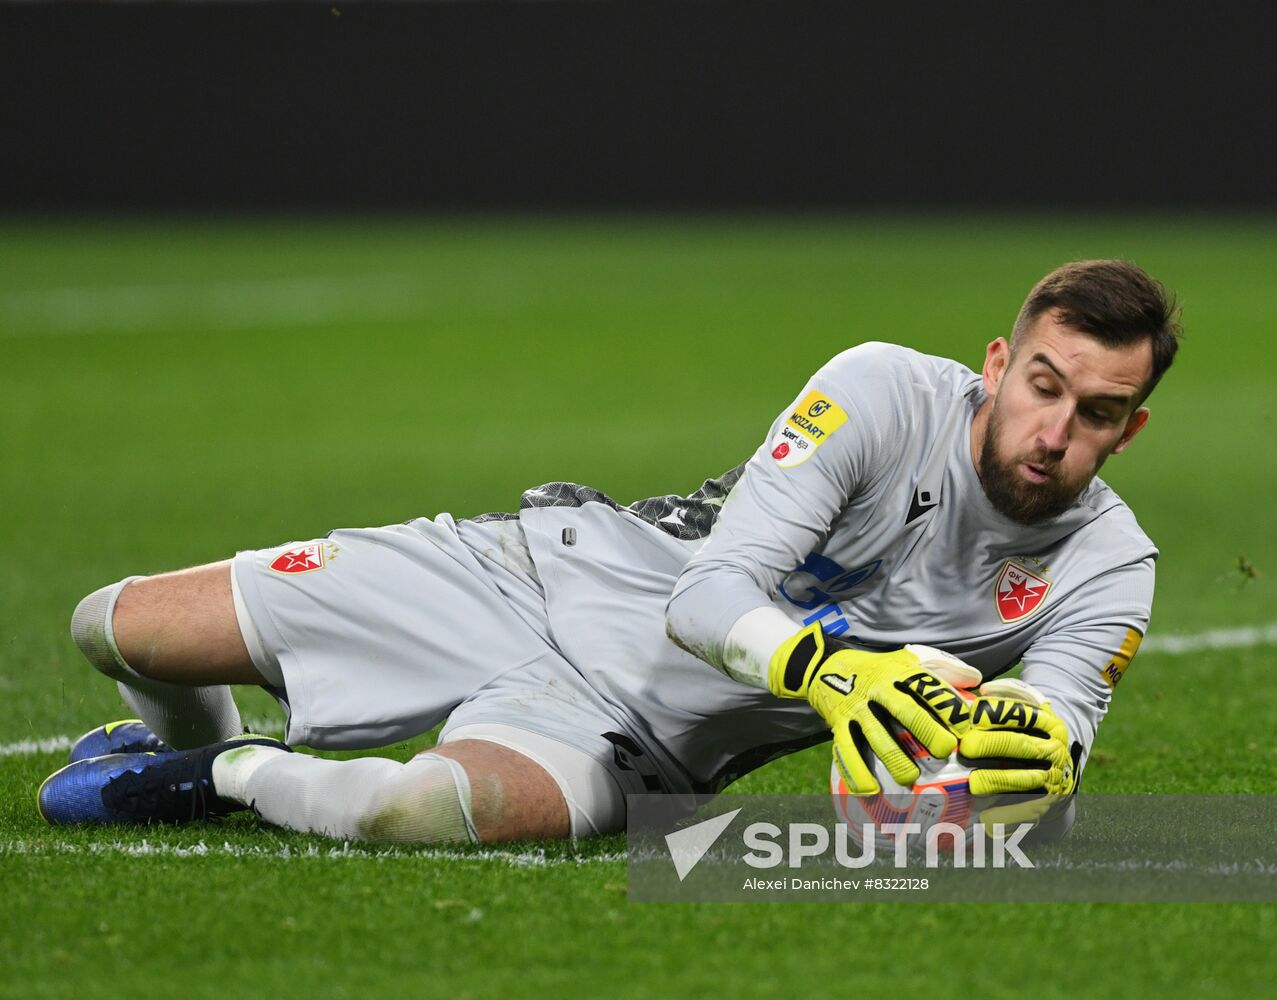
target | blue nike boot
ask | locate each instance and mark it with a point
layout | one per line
(125, 736)
(171, 787)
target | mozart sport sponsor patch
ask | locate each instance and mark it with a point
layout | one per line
(305, 558)
(1115, 670)
(810, 424)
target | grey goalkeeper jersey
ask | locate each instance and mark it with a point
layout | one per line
(861, 510)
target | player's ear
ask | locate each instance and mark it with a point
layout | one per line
(1134, 424)
(997, 358)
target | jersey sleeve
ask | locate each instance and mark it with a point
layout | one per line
(1078, 664)
(822, 450)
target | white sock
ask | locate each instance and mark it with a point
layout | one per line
(183, 717)
(426, 800)
(180, 715)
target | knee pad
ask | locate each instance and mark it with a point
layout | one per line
(91, 629)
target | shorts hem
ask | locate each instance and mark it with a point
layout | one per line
(295, 694)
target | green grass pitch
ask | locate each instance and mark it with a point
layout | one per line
(173, 391)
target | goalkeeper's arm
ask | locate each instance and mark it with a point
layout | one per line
(858, 694)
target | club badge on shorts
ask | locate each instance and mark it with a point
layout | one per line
(808, 427)
(1018, 593)
(305, 558)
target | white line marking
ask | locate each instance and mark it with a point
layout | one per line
(315, 300)
(61, 744)
(263, 725)
(1169, 645)
(25, 748)
(150, 849)
(1220, 638)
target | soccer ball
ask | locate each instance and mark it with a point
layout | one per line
(942, 793)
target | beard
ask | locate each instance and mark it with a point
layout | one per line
(1012, 495)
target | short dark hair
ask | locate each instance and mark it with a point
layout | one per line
(1115, 302)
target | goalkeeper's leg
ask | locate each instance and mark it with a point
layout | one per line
(172, 643)
(468, 790)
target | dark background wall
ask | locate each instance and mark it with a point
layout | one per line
(632, 105)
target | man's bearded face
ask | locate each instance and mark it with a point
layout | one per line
(1060, 404)
(1016, 497)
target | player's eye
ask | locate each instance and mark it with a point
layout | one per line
(1044, 390)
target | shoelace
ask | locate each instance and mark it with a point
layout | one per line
(160, 792)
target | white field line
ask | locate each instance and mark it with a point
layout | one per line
(531, 859)
(723, 855)
(60, 744)
(1170, 645)
(1220, 638)
(263, 725)
(314, 300)
(25, 748)
(345, 850)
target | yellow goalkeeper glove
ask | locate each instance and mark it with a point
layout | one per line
(859, 693)
(1012, 723)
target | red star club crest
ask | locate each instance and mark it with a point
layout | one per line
(300, 560)
(1019, 593)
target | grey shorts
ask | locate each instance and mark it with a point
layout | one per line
(376, 635)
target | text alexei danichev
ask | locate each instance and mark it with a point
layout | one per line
(835, 884)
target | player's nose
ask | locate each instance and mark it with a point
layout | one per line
(1053, 436)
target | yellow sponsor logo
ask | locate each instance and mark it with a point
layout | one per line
(1122, 659)
(817, 416)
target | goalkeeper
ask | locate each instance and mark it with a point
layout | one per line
(582, 650)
